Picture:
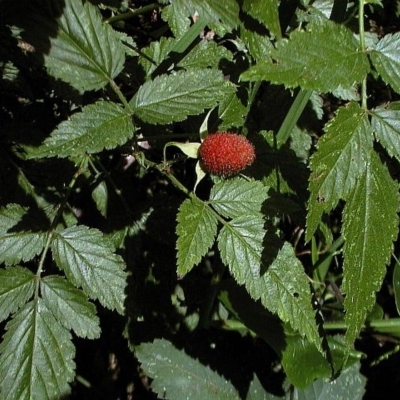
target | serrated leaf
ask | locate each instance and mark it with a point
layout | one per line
(17, 285)
(339, 161)
(266, 12)
(349, 385)
(171, 98)
(100, 197)
(177, 376)
(196, 230)
(17, 241)
(89, 261)
(386, 126)
(70, 306)
(103, 125)
(209, 10)
(207, 53)
(36, 356)
(259, 46)
(232, 112)
(236, 197)
(177, 19)
(373, 205)
(322, 58)
(386, 60)
(283, 288)
(240, 244)
(157, 51)
(85, 52)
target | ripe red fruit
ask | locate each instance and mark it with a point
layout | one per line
(226, 154)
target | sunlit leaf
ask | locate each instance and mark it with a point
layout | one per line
(17, 285)
(322, 58)
(70, 306)
(385, 58)
(19, 238)
(237, 197)
(36, 356)
(177, 376)
(340, 160)
(103, 125)
(196, 230)
(370, 225)
(266, 12)
(89, 261)
(85, 52)
(170, 98)
(386, 125)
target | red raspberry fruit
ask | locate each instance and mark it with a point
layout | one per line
(226, 154)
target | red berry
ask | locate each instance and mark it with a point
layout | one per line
(226, 154)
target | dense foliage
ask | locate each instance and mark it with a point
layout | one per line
(260, 285)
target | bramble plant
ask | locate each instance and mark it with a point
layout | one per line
(105, 205)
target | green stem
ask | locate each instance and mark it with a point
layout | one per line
(130, 14)
(120, 95)
(55, 223)
(361, 29)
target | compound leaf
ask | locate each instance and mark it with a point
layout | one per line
(36, 356)
(89, 261)
(70, 306)
(170, 98)
(85, 52)
(196, 230)
(323, 58)
(177, 376)
(373, 205)
(103, 125)
(339, 161)
(236, 197)
(385, 58)
(17, 285)
(17, 241)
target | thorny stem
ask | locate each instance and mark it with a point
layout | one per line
(54, 224)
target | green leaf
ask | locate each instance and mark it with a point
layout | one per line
(386, 60)
(232, 112)
(17, 285)
(171, 98)
(259, 46)
(235, 197)
(36, 356)
(103, 125)
(177, 376)
(100, 197)
(207, 53)
(157, 51)
(283, 288)
(89, 261)
(70, 306)
(386, 126)
(340, 160)
(373, 205)
(266, 12)
(85, 52)
(17, 241)
(240, 244)
(323, 58)
(177, 19)
(396, 285)
(196, 230)
(349, 385)
(209, 10)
